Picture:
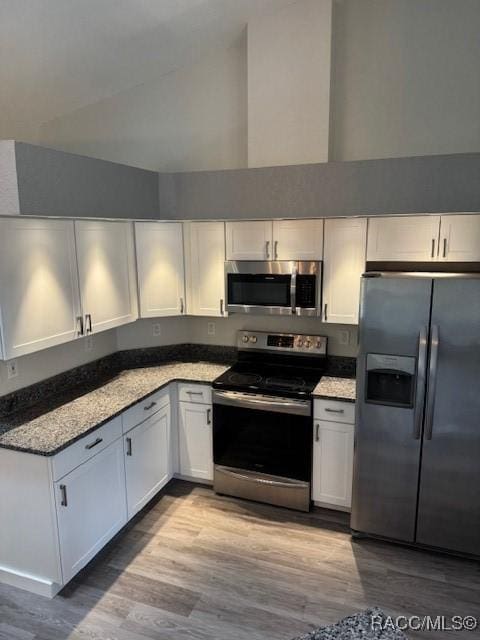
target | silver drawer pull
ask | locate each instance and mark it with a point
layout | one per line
(149, 406)
(63, 491)
(94, 444)
(195, 393)
(334, 410)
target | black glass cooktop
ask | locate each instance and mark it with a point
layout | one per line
(273, 379)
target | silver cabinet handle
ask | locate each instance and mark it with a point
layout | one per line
(267, 248)
(433, 247)
(129, 446)
(88, 322)
(444, 247)
(93, 444)
(421, 378)
(181, 305)
(432, 382)
(80, 329)
(63, 492)
(209, 416)
(149, 406)
(328, 410)
(221, 306)
(194, 393)
(317, 434)
(325, 307)
(275, 249)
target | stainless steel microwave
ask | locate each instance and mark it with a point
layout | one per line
(274, 287)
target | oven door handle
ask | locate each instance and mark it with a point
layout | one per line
(293, 289)
(251, 476)
(262, 403)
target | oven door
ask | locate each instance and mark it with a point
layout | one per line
(263, 434)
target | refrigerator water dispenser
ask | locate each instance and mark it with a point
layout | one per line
(390, 380)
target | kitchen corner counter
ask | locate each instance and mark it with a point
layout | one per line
(47, 431)
(343, 389)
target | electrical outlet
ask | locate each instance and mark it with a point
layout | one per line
(89, 343)
(12, 369)
(344, 337)
(157, 329)
(211, 329)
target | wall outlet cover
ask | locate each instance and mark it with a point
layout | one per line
(157, 329)
(89, 343)
(344, 337)
(12, 369)
(211, 328)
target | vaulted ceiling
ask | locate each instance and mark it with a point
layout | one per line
(59, 55)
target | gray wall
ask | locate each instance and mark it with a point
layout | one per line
(370, 187)
(63, 184)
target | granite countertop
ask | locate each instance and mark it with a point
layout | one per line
(46, 432)
(343, 389)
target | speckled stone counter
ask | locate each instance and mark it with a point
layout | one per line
(46, 432)
(336, 389)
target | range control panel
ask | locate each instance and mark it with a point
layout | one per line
(285, 342)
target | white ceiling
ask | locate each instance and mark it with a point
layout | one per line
(59, 55)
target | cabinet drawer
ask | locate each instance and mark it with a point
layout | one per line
(198, 393)
(86, 448)
(334, 410)
(144, 409)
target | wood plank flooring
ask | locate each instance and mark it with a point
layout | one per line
(196, 566)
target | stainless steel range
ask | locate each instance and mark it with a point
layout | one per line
(262, 418)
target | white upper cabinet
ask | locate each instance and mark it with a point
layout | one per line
(161, 277)
(39, 295)
(249, 240)
(297, 240)
(106, 269)
(344, 263)
(406, 238)
(460, 238)
(205, 268)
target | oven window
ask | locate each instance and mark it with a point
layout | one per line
(259, 290)
(274, 443)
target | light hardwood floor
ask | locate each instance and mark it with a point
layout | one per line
(196, 566)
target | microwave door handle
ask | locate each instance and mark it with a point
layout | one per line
(293, 290)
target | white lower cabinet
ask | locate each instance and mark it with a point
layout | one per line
(91, 507)
(147, 459)
(195, 440)
(332, 459)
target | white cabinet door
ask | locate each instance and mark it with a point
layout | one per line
(205, 264)
(106, 268)
(332, 463)
(408, 238)
(195, 440)
(91, 507)
(161, 278)
(249, 240)
(39, 295)
(460, 238)
(297, 240)
(343, 264)
(147, 459)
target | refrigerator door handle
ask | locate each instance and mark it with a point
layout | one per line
(421, 380)
(432, 382)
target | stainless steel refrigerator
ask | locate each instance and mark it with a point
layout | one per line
(417, 435)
